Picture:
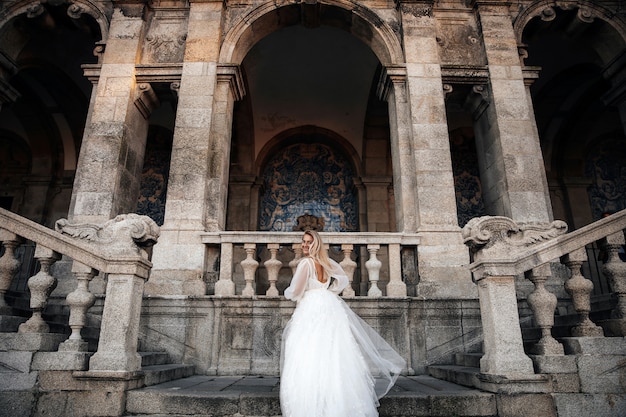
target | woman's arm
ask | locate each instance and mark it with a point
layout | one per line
(295, 291)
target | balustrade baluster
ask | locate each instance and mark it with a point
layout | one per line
(40, 285)
(349, 266)
(579, 288)
(79, 300)
(373, 266)
(273, 266)
(249, 266)
(615, 270)
(9, 266)
(297, 250)
(543, 304)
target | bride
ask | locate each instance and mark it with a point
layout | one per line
(333, 364)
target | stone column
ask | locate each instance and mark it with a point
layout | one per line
(197, 188)
(393, 89)
(441, 248)
(109, 167)
(8, 68)
(510, 160)
(615, 72)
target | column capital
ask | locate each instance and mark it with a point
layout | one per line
(146, 99)
(390, 75)
(231, 73)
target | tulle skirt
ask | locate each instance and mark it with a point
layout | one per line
(333, 364)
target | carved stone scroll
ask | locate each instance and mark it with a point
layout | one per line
(122, 236)
(497, 237)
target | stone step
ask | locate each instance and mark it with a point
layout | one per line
(204, 396)
(154, 358)
(468, 359)
(158, 374)
(467, 376)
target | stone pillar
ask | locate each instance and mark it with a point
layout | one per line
(119, 332)
(441, 248)
(393, 89)
(198, 181)
(495, 243)
(615, 72)
(109, 167)
(510, 160)
(503, 345)
(8, 68)
(123, 241)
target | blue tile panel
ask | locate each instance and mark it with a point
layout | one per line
(310, 179)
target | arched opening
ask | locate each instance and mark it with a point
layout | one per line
(574, 113)
(43, 55)
(577, 111)
(312, 67)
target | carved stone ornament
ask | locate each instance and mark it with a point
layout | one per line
(501, 236)
(309, 222)
(124, 235)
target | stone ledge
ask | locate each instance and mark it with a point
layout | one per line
(594, 345)
(31, 342)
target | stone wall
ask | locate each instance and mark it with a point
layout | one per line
(238, 336)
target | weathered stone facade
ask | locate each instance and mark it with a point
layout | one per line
(389, 124)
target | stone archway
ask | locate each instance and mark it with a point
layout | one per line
(580, 51)
(269, 17)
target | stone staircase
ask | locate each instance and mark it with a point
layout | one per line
(208, 396)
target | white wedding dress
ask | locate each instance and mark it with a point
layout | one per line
(333, 364)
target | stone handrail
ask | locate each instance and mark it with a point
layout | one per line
(503, 249)
(273, 241)
(532, 247)
(115, 248)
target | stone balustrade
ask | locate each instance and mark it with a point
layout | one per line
(347, 247)
(503, 249)
(115, 248)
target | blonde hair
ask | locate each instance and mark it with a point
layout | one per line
(317, 251)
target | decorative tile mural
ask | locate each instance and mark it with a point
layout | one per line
(308, 178)
(606, 166)
(156, 169)
(467, 185)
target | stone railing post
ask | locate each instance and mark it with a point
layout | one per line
(249, 266)
(273, 266)
(225, 284)
(9, 265)
(396, 287)
(615, 270)
(349, 266)
(122, 240)
(543, 304)
(373, 266)
(580, 288)
(40, 285)
(503, 345)
(79, 300)
(494, 243)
